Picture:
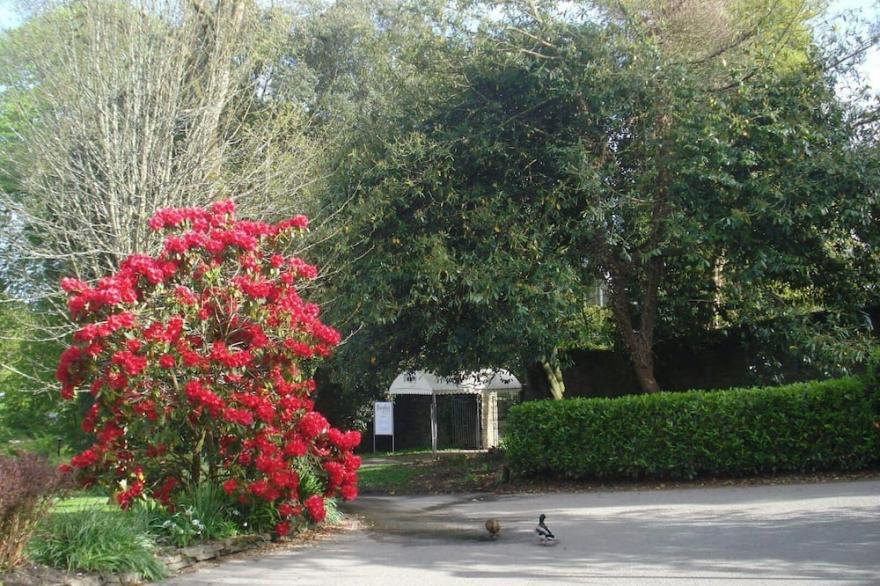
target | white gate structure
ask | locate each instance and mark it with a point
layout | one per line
(485, 385)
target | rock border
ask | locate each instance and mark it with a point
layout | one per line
(179, 559)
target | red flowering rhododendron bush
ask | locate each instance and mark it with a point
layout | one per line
(199, 361)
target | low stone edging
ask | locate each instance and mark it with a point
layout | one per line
(178, 559)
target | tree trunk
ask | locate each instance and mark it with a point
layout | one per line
(195, 471)
(211, 454)
(554, 376)
(642, 356)
(639, 344)
(644, 268)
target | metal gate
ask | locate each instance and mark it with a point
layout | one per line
(458, 421)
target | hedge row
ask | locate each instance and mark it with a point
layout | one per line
(802, 427)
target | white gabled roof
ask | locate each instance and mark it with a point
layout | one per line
(425, 383)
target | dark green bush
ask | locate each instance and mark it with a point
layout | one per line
(796, 428)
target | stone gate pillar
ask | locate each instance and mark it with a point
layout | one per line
(489, 419)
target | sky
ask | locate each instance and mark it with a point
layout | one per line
(869, 9)
(8, 17)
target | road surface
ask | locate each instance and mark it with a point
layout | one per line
(794, 534)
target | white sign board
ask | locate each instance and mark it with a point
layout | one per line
(384, 418)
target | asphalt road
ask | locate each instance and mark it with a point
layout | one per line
(794, 534)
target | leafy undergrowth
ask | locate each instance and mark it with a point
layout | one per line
(94, 539)
(463, 472)
(202, 515)
(87, 533)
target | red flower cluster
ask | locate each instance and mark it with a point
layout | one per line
(125, 497)
(315, 506)
(201, 349)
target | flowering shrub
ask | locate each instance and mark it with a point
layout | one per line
(198, 360)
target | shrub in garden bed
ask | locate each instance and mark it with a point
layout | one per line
(97, 540)
(199, 361)
(203, 514)
(27, 484)
(805, 427)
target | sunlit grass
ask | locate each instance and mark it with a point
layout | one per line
(383, 477)
(80, 502)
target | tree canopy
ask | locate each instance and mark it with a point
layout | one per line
(561, 153)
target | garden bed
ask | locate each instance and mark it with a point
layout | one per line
(176, 560)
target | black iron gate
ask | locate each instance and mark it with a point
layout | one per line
(458, 421)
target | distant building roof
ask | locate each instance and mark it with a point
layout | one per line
(425, 383)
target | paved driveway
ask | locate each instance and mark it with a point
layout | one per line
(804, 534)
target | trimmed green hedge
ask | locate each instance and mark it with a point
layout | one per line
(796, 428)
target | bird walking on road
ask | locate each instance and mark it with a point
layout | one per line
(544, 534)
(493, 526)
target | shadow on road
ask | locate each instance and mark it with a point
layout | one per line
(820, 534)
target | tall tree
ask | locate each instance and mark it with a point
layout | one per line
(142, 105)
(113, 109)
(569, 151)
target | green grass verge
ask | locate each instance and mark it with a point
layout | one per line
(79, 502)
(384, 477)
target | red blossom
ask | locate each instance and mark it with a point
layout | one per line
(130, 362)
(352, 462)
(315, 506)
(230, 486)
(147, 408)
(226, 206)
(87, 458)
(348, 492)
(282, 528)
(154, 451)
(312, 425)
(73, 285)
(125, 497)
(163, 493)
(335, 474)
(300, 222)
(239, 416)
(296, 448)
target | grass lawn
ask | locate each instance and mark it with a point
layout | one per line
(80, 501)
(416, 472)
(44, 446)
(385, 477)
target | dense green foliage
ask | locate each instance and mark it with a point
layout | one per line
(474, 169)
(557, 153)
(97, 540)
(802, 427)
(29, 406)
